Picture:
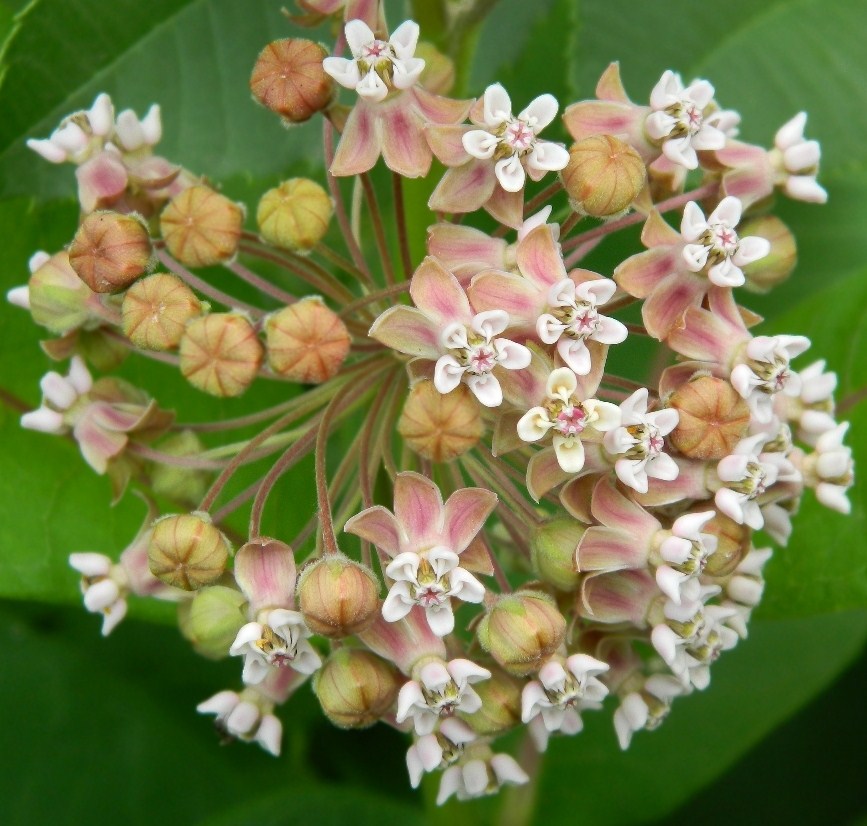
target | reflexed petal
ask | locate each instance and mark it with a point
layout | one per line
(609, 549)
(641, 273)
(407, 330)
(101, 594)
(101, 180)
(514, 295)
(269, 734)
(404, 147)
(805, 188)
(465, 513)
(665, 308)
(90, 564)
(376, 525)
(418, 508)
(464, 188)
(539, 259)
(359, 145)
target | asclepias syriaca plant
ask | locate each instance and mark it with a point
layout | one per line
(508, 534)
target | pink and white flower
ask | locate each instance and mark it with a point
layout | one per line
(684, 554)
(796, 161)
(440, 690)
(679, 119)
(480, 775)
(438, 750)
(639, 443)
(555, 700)
(568, 419)
(830, 470)
(424, 539)
(247, 716)
(745, 588)
(277, 640)
(813, 409)
(647, 707)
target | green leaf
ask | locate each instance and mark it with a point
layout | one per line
(824, 568)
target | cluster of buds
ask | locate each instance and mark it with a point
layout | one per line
(515, 535)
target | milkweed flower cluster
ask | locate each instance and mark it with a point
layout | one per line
(513, 535)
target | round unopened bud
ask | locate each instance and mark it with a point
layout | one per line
(501, 704)
(733, 544)
(307, 342)
(59, 300)
(440, 427)
(110, 251)
(187, 551)
(289, 79)
(521, 630)
(778, 264)
(338, 597)
(552, 547)
(212, 618)
(604, 176)
(156, 310)
(295, 215)
(438, 75)
(713, 418)
(201, 227)
(356, 688)
(220, 354)
(180, 484)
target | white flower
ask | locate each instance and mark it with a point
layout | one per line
(430, 579)
(574, 319)
(19, 297)
(568, 418)
(246, 716)
(646, 709)
(555, 700)
(640, 440)
(513, 141)
(438, 750)
(831, 469)
(279, 641)
(713, 243)
(813, 410)
(797, 162)
(441, 690)
(478, 777)
(104, 585)
(132, 133)
(766, 372)
(678, 119)
(473, 354)
(745, 588)
(59, 394)
(79, 135)
(684, 553)
(377, 66)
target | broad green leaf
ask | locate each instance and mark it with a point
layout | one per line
(824, 568)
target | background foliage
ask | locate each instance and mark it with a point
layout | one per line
(107, 726)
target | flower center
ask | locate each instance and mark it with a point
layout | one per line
(376, 49)
(518, 136)
(444, 702)
(571, 419)
(277, 651)
(648, 441)
(688, 119)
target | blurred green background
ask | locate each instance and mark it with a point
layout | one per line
(100, 730)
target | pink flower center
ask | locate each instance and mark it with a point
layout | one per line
(431, 595)
(376, 49)
(693, 119)
(571, 420)
(519, 136)
(655, 443)
(482, 360)
(280, 659)
(726, 238)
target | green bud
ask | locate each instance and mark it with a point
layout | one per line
(184, 485)
(212, 619)
(553, 545)
(501, 704)
(356, 688)
(59, 300)
(778, 264)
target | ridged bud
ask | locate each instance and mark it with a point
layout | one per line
(604, 176)
(713, 418)
(438, 75)
(212, 618)
(201, 227)
(295, 215)
(521, 630)
(307, 342)
(156, 310)
(187, 551)
(110, 251)
(220, 354)
(552, 547)
(778, 264)
(440, 427)
(338, 597)
(356, 688)
(289, 79)
(501, 704)
(180, 484)
(59, 300)
(733, 544)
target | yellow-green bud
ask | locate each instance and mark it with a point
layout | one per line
(156, 310)
(212, 619)
(220, 354)
(356, 688)
(187, 551)
(201, 227)
(733, 544)
(521, 630)
(713, 418)
(59, 300)
(440, 427)
(289, 79)
(110, 251)
(501, 704)
(295, 215)
(778, 264)
(338, 597)
(604, 176)
(180, 484)
(307, 342)
(552, 546)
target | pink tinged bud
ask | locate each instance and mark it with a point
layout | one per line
(338, 597)
(187, 551)
(288, 79)
(265, 571)
(102, 180)
(201, 227)
(624, 596)
(156, 310)
(403, 642)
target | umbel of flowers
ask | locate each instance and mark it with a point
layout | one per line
(510, 534)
